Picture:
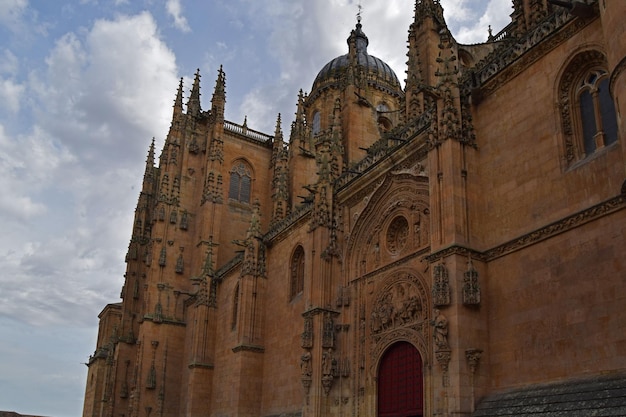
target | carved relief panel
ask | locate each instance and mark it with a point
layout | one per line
(397, 310)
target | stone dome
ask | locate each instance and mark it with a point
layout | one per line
(378, 72)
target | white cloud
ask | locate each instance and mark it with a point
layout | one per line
(175, 10)
(9, 63)
(11, 12)
(11, 95)
(68, 188)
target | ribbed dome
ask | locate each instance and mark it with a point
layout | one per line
(376, 70)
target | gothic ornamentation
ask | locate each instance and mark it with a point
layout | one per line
(471, 286)
(151, 378)
(162, 256)
(586, 59)
(194, 148)
(180, 264)
(213, 188)
(216, 150)
(397, 234)
(343, 297)
(307, 334)
(512, 58)
(473, 358)
(442, 349)
(440, 331)
(329, 369)
(443, 359)
(184, 220)
(441, 285)
(328, 333)
(306, 373)
(399, 306)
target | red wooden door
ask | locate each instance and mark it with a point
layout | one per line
(400, 382)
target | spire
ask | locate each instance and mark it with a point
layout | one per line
(278, 139)
(278, 144)
(178, 103)
(218, 102)
(280, 193)
(148, 175)
(193, 104)
(150, 157)
(298, 127)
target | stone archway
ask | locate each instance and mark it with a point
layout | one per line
(400, 383)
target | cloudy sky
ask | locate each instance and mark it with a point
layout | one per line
(84, 87)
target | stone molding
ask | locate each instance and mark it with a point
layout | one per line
(566, 224)
(248, 348)
(619, 68)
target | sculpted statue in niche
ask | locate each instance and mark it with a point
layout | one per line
(440, 333)
(305, 364)
(400, 305)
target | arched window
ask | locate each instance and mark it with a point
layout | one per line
(588, 116)
(597, 111)
(383, 121)
(297, 272)
(233, 321)
(317, 123)
(240, 182)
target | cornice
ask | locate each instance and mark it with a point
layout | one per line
(553, 229)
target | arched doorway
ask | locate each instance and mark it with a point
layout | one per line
(400, 382)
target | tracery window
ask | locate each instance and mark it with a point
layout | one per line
(240, 182)
(588, 116)
(297, 272)
(597, 111)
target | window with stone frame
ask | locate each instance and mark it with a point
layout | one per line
(588, 117)
(317, 123)
(297, 272)
(240, 187)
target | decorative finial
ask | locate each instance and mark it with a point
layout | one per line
(358, 15)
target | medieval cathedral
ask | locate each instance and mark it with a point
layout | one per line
(455, 247)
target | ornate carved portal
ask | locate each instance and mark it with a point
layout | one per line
(396, 315)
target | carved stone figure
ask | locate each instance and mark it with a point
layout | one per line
(305, 364)
(327, 363)
(400, 305)
(440, 334)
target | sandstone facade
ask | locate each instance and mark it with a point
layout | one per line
(404, 251)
